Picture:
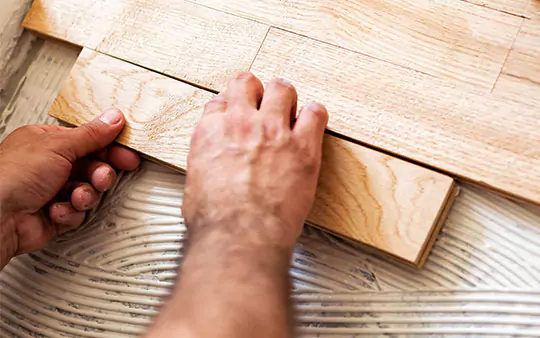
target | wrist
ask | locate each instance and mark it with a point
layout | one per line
(228, 257)
(258, 232)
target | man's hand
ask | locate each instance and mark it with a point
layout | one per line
(248, 168)
(50, 176)
(251, 181)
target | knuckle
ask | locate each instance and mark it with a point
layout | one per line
(309, 151)
(244, 76)
(93, 134)
(217, 103)
(27, 129)
(303, 147)
(318, 111)
(310, 163)
(273, 130)
(91, 130)
(239, 122)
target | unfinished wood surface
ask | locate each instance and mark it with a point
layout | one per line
(176, 37)
(487, 141)
(450, 39)
(520, 77)
(487, 243)
(533, 10)
(523, 92)
(379, 200)
(33, 95)
(514, 7)
(384, 202)
(524, 59)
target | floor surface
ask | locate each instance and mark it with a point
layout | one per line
(108, 278)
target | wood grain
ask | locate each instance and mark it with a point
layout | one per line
(524, 59)
(515, 7)
(487, 141)
(451, 39)
(38, 86)
(520, 77)
(176, 37)
(365, 195)
(379, 200)
(533, 10)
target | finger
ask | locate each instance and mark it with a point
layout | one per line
(311, 122)
(84, 197)
(92, 136)
(100, 174)
(122, 158)
(279, 101)
(217, 105)
(52, 128)
(244, 89)
(101, 154)
(65, 192)
(63, 213)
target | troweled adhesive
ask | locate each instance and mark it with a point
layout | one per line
(107, 278)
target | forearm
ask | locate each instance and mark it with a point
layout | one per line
(230, 285)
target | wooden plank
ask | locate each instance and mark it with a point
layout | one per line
(13, 11)
(515, 7)
(176, 37)
(487, 141)
(450, 39)
(365, 195)
(533, 10)
(38, 86)
(524, 59)
(520, 77)
(523, 92)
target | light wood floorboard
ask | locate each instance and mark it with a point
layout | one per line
(490, 142)
(185, 40)
(451, 39)
(365, 195)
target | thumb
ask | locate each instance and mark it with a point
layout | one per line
(94, 135)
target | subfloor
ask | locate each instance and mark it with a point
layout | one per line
(108, 278)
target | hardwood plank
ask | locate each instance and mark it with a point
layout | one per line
(520, 76)
(533, 10)
(365, 195)
(524, 59)
(12, 41)
(176, 37)
(490, 142)
(451, 39)
(379, 200)
(515, 7)
(38, 86)
(518, 90)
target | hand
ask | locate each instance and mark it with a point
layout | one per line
(50, 176)
(251, 181)
(249, 172)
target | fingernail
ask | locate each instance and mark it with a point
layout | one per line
(86, 198)
(285, 81)
(314, 106)
(111, 116)
(62, 211)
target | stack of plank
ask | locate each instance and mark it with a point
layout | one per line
(418, 93)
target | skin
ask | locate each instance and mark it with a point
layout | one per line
(52, 175)
(252, 175)
(250, 185)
